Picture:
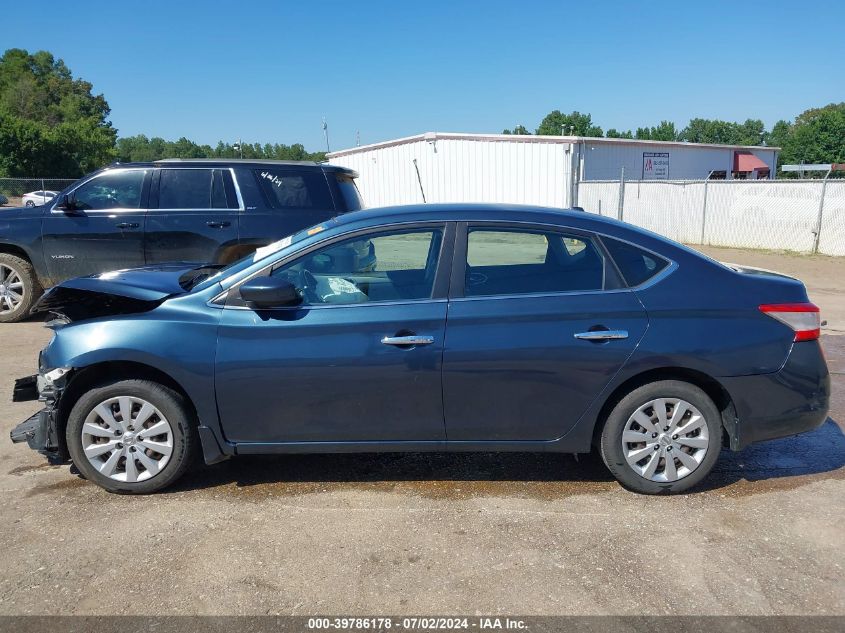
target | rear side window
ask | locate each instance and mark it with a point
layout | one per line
(349, 192)
(507, 262)
(635, 264)
(191, 189)
(294, 190)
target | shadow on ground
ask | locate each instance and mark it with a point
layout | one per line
(784, 463)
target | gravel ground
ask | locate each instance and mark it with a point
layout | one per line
(433, 533)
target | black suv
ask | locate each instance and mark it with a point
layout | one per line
(136, 214)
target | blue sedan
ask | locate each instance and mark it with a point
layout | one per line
(429, 328)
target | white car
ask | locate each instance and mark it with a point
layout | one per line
(38, 197)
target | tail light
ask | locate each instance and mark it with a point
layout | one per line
(803, 318)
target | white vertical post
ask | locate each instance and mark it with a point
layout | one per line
(818, 231)
(704, 212)
(621, 193)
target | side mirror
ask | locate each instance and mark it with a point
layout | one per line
(270, 292)
(66, 204)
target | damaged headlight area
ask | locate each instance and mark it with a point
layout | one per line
(40, 431)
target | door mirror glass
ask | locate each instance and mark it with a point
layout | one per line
(270, 292)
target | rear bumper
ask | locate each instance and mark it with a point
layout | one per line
(790, 401)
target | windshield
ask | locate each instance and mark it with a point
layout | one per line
(208, 275)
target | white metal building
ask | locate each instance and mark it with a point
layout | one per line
(542, 170)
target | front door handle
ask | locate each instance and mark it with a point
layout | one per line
(602, 335)
(127, 225)
(408, 341)
(217, 225)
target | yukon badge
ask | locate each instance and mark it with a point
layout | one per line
(62, 256)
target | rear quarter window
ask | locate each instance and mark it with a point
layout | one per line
(349, 192)
(294, 190)
(636, 265)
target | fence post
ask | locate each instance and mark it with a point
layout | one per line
(703, 213)
(621, 194)
(818, 230)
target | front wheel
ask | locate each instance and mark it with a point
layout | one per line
(131, 436)
(661, 438)
(19, 288)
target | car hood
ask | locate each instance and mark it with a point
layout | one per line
(117, 292)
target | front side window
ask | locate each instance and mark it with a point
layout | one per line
(294, 190)
(507, 262)
(112, 190)
(395, 266)
(191, 189)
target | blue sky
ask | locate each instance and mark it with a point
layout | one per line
(269, 71)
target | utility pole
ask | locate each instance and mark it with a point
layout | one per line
(326, 134)
(239, 147)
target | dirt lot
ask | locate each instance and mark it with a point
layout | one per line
(527, 534)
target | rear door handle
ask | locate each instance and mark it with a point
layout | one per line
(602, 335)
(217, 225)
(408, 340)
(127, 225)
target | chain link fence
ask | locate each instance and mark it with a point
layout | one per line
(13, 189)
(805, 216)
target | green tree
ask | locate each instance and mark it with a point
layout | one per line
(664, 131)
(50, 123)
(614, 133)
(520, 130)
(816, 136)
(558, 124)
(752, 132)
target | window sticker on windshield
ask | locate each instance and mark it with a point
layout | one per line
(262, 252)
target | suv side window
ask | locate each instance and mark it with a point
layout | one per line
(191, 189)
(287, 189)
(516, 261)
(636, 265)
(112, 190)
(394, 266)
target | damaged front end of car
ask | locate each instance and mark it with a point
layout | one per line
(41, 430)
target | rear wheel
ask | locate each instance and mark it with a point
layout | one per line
(19, 288)
(131, 436)
(663, 437)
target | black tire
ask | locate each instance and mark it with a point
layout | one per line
(31, 288)
(173, 407)
(30, 203)
(611, 446)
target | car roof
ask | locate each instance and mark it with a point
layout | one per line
(237, 162)
(459, 212)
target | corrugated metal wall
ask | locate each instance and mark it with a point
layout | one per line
(461, 170)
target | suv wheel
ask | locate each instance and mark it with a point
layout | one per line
(663, 437)
(131, 436)
(19, 288)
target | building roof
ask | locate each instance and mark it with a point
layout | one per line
(533, 138)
